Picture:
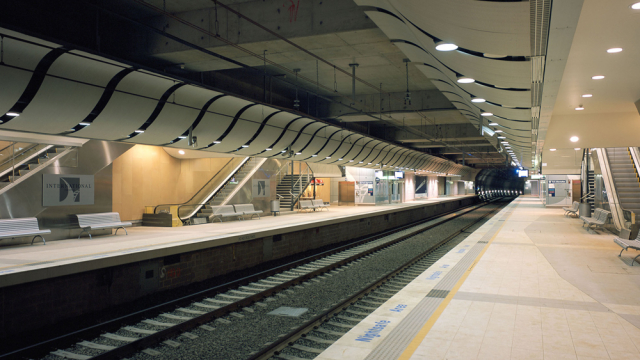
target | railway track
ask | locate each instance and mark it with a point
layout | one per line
(142, 331)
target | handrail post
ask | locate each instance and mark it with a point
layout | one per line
(13, 161)
(292, 185)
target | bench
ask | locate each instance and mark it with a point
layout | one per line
(247, 209)
(306, 205)
(627, 244)
(220, 212)
(319, 204)
(13, 228)
(571, 210)
(599, 219)
(98, 221)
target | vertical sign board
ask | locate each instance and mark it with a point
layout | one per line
(62, 190)
(261, 188)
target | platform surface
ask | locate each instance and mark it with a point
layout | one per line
(529, 284)
(25, 263)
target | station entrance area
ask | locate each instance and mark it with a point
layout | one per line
(529, 284)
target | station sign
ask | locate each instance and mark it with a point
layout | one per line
(62, 190)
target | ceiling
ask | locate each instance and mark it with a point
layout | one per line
(609, 118)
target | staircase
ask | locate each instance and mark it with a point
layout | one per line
(284, 190)
(591, 183)
(625, 178)
(26, 160)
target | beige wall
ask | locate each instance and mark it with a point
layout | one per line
(147, 175)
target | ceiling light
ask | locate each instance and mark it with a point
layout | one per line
(587, 95)
(216, 142)
(552, 149)
(445, 46)
(85, 124)
(14, 114)
(368, 163)
(494, 124)
(328, 157)
(502, 137)
(498, 131)
(614, 50)
(340, 159)
(350, 160)
(487, 114)
(314, 155)
(181, 152)
(283, 151)
(504, 142)
(465, 80)
(478, 100)
(268, 149)
(635, 6)
(576, 148)
(360, 162)
(579, 108)
(245, 146)
(574, 139)
(139, 131)
(298, 153)
(182, 137)
(597, 77)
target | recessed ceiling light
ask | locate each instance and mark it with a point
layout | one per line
(552, 149)
(350, 160)
(181, 152)
(87, 124)
(597, 77)
(498, 131)
(494, 124)
(478, 100)
(465, 80)
(339, 159)
(298, 153)
(182, 137)
(574, 139)
(245, 146)
(635, 6)
(328, 157)
(216, 142)
(579, 108)
(445, 46)
(14, 114)
(268, 149)
(576, 148)
(502, 137)
(614, 50)
(587, 95)
(138, 131)
(487, 114)
(314, 155)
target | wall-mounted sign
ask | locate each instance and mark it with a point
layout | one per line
(421, 184)
(537, 177)
(557, 181)
(261, 188)
(60, 190)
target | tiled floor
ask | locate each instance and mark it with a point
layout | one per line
(24, 263)
(544, 289)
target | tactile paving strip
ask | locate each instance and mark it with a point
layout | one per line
(401, 336)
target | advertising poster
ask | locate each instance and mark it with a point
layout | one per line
(421, 184)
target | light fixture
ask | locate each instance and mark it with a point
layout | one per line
(504, 142)
(494, 124)
(87, 124)
(587, 95)
(576, 148)
(245, 146)
(181, 152)
(445, 46)
(298, 153)
(340, 159)
(614, 50)
(139, 131)
(216, 142)
(184, 137)
(328, 157)
(368, 163)
(552, 149)
(14, 114)
(635, 6)
(314, 155)
(268, 149)
(580, 108)
(283, 151)
(350, 160)
(574, 139)
(465, 80)
(360, 162)
(597, 77)
(478, 100)
(502, 137)
(498, 131)
(487, 114)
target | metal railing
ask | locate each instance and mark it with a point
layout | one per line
(617, 213)
(307, 175)
(17, 154)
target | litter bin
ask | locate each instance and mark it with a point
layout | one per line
(584, 210)
(275, 207)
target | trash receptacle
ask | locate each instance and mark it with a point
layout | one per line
(584, 210)
(275, 207)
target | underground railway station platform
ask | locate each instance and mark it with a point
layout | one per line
(530, 283)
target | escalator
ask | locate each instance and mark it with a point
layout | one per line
(625, 178)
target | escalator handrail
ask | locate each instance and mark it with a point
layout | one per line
(155, 209)
(616, 209)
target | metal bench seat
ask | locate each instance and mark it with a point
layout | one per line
(98, 221)
(22, 227)
(626, 244)
(306, 205)
(220, 212)
(319, 204)
(247, 209)
(573, 209)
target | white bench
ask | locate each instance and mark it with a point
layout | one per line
(306, 205)
(599, 219)
(220, 212)
(21, 227)
(99, 221)
(319, 204)
(247, 209)
(573, 209)
(628, 244)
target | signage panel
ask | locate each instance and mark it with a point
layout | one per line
(261, 188)
(62, 190)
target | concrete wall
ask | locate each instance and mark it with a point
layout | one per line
(38, 304)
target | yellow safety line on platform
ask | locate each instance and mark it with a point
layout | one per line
(413, 346)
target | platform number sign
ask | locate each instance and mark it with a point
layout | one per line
(61, 190)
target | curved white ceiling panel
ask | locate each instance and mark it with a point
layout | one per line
(82, 95)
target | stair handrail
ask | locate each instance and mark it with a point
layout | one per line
(186, 203)
(614, 204)
(308, 175)
(279, 174)
(13, 157)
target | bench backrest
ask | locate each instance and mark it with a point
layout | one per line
(85, 220)
(306, 203)
(317, 202)
(223, 209)
(575, 206)
(244, 207)
(18, 225)
(604, 215)
(597, 213)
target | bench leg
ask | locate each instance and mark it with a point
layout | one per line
(83, 230)
(125, 230)
(258, 215)
(634, 259)
(40, 238)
